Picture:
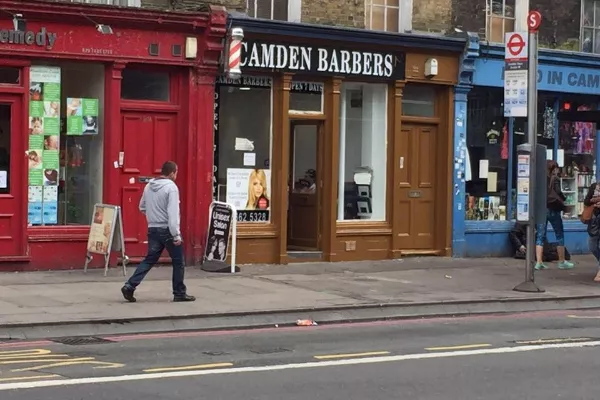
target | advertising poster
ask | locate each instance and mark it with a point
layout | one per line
(44, 145)
(101, 230)
(218, 233)
(248, 189)
(82, 116)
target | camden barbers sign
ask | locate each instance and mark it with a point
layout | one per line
(41, 38)
(323, 60)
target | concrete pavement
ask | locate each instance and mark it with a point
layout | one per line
(42, 304)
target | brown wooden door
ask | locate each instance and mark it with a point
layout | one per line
(304, 231)
(13, 179)
(148, 141)
(417, 165)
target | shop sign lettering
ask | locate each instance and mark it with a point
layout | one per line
(322, 60)
(41, 38)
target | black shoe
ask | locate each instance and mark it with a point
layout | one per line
(183, 298)
(128, 294)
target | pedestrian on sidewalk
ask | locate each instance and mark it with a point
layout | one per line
(160, 204)
(555, 206)
(592, 199)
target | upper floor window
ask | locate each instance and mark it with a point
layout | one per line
(590, 26)
(500, 18)
(122, 3)
(383, 15)
(280, 10)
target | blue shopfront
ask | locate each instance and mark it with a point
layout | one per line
(485, 146)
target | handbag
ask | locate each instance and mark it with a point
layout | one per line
(587, 214)
(554, 200)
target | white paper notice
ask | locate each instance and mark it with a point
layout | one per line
(560, 157)
(492, 182)
(549, 154)
(249, 159)
(483, 169)
(243, 144)
(3, 180)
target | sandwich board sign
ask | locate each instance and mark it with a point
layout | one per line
(106, 235)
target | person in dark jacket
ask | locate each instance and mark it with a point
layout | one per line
(518, 240)
(555, 206)
(593, 199)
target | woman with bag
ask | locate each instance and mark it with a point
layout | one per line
(591, 217)
(555, 206)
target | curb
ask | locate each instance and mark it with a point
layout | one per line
(270, 318)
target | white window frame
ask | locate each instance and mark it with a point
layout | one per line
(294, 9)
(404, 8)
(504, 16)
(594, 26)
(121, 3)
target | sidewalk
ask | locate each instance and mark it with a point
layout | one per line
(42, 304)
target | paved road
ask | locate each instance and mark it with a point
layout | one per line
(528, 356)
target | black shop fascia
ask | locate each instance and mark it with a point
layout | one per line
(323, 60)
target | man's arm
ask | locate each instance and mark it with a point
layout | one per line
(173, 212)
(142, 205)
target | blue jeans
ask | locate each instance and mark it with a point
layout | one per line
(594, 243)
(158, 240)
(555, 220)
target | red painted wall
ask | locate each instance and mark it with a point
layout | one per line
(63, 247)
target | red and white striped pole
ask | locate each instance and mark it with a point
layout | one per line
(235, 53)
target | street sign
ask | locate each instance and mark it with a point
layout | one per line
(515, 74)
(516, 46)
(534, 20)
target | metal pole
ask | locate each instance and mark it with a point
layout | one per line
(532, 139)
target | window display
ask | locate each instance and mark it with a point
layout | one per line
(242, 140)
(363, 150)
(576, 157)
(65, 143)
(486, 156)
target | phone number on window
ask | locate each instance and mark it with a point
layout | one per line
(253, 216)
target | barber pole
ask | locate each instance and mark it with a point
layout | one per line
(235, 53)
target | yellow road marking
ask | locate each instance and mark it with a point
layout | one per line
(557, 340)
(32, 358)
(333, 356)
(68, 363)
(460, 347)
(189, 367)
(584, 316)
(28, 352)
(28, 378)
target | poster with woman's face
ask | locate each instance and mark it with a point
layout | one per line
(249, 188)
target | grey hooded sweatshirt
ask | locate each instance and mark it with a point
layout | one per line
(160, 203)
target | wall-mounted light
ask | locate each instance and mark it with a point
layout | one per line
(19, 22)
(104, 29)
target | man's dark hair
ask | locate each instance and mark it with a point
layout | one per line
(168, 168)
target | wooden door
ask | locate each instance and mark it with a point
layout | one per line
(148, 141)
(304, 222)
(13, 181)
(417, 163)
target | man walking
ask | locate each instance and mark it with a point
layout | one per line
(160, 204)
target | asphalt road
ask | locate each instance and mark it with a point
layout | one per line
(529, 356)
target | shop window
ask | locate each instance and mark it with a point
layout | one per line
(590, 26)
(10, 76)
(418, 101)
(242, 130)
(486, 156)
(384, 15)
(5, 135)
(576, 155)
(145, 85)
(500, 19)
(363, 150)
(66, 143)
(306, 97)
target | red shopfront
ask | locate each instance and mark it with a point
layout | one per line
(88, 116)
